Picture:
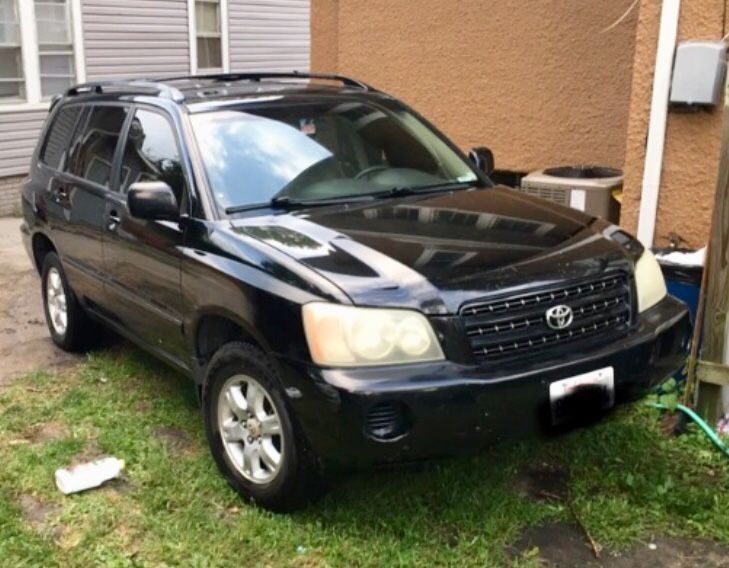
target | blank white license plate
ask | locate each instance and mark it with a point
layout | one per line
(567, 396)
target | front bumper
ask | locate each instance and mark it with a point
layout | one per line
(451, 407)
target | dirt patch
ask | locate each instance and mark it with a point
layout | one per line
(564, 545)
(35, 511)
(542, 482)
(558, 544)
(674, 553)
(174, 438)
(24, 342)
(48, 432)
(25, 345)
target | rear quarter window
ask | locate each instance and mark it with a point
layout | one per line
(58, 136)
(95, 142)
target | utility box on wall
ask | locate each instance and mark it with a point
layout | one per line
(698, 73)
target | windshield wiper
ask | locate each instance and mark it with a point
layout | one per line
(285, 202)
(405, 190)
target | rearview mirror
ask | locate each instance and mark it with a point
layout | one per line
(153, 200)
(483, 159)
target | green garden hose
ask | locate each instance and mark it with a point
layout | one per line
(696, 418)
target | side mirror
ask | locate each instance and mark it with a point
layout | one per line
(153, 200)
(483, 159)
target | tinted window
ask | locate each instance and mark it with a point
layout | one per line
(59, 134)
(95, 142)
(150, 153)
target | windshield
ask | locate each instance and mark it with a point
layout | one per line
(321, 150)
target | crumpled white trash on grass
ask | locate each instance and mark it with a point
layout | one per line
(88, 475)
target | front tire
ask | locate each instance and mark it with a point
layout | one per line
(254, 439)
(68, 324)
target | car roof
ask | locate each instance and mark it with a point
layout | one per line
(203, 92)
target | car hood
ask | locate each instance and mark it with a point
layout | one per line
(436, 251)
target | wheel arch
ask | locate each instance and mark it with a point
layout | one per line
(213, 328)
(41, 245)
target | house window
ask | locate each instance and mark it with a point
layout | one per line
(55, 46)
(208, 34)
(12, 83)
(40, 55)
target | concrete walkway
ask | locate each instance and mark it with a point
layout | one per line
(25, 345)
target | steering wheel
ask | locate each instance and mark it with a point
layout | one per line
(367, 172)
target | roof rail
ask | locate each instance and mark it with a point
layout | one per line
(134, 86)
(258, 76)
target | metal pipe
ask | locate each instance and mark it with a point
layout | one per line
(657, 126)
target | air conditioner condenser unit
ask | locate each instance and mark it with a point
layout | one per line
(587, 188)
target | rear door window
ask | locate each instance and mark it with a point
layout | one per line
(151, 153)
(58, 136)
(95, 142)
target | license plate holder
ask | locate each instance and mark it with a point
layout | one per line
(582, 395)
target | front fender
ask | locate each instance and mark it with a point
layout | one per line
(228, 276)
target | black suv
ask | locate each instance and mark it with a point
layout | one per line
(344, 286)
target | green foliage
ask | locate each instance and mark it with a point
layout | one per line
(627, 481)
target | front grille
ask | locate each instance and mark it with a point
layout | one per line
(516, 326)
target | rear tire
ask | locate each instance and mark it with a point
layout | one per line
(68, 324)
(253, 436)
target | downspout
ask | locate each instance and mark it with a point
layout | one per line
(657, 126)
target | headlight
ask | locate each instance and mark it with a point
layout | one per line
(346, 336)
(649, 281)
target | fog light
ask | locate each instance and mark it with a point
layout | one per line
(387, 421)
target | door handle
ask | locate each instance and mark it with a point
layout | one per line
(113, 220)
(60, 194)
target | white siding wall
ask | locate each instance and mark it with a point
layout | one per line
(270, 35)
(18, 135)
(150, 38)
(135, 38)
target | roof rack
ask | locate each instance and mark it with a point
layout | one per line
(160, 87)
(259, 76)
(134, 87)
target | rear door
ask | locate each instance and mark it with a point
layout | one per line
(142, 258)
(50, 198)
(77, 197)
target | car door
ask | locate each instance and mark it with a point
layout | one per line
(77, 196)
(142, 257)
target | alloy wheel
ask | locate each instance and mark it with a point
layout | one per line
(56, 301)
(250, 428)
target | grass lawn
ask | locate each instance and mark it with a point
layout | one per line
(623, 479)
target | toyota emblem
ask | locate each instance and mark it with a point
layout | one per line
(559, 317)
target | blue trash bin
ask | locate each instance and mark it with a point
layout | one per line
(684, 282)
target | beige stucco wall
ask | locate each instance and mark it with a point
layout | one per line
(536, 81)
(690, 165)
